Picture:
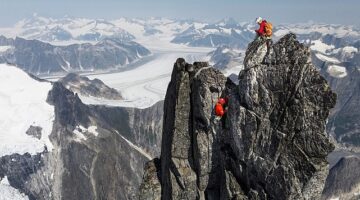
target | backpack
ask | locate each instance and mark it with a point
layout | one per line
(268, 29)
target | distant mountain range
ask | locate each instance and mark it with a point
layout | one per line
(70, 30)
(48, 29)
(42, 58)
(190, 32)
(213, 35)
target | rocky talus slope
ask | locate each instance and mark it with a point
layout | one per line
(271, 144)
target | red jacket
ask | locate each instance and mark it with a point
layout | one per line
(261, 30)
(219, 110)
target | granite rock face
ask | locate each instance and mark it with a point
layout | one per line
(270, 144)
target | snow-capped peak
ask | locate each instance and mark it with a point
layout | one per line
(227, 22)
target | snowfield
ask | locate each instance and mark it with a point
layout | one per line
(145, 85)
(23, 104)
(9, 193)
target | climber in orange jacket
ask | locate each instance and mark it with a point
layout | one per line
(220, 107)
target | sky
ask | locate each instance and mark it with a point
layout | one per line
(277, 11)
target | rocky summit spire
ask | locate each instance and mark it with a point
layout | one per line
(270, 144)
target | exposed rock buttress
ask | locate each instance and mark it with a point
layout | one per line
(271, 144)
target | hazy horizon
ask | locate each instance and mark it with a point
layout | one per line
(279, 11)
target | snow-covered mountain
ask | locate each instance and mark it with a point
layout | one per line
(66, 29)
(79, 30)
(55, 147)
(227, 59)
(193, 33)
(225, 32)
(314, 30)
(155, 26)
(42, 58)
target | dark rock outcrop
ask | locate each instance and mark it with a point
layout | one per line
(34, 131)
(343, 181)
(86, 87)
(271, 144)
(19, 168)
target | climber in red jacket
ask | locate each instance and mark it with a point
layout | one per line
(220, 107)
(261, 31)
(265, 29)
(264, 33)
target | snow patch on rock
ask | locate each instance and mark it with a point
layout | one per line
(327, 58)
(336, 71)
(225, 50)
(93, 130)
(80, 130)
(350, 49)
(319, 46)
